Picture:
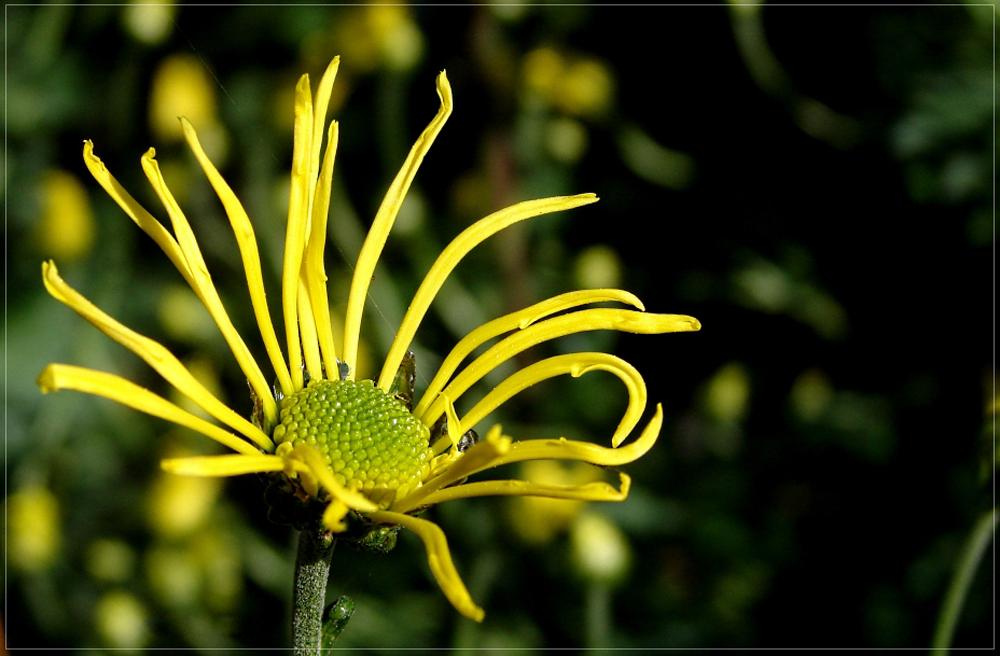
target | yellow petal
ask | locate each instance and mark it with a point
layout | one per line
(521, 450)
(323, 92)
(439, 559)
(575, 364)
(312, 458)
(203, 286)
(333, 516)
(295, 233)
(222, 466)
(247, 243)
(155, 355)
(563, 449)
(478, 457)
(543, 331)
(135, 211)
(63, 376)
(315, 273)
(513, 321)
(371, 250)
(310, 347)
(449, 259)
(598, 491)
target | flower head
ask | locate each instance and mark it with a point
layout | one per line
(362, 448)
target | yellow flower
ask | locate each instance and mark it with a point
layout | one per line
(357, 445)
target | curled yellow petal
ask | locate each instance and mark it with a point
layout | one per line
(67, 377)
(154, 354)
(312, 458)
(439, 559)
(575, 364)
(202, 283)
(543, 331)
(371, 249)
(514, 321)
(223, 466)
(449, 259)
(478, 457)
(598, 491)
(246, 241)
(563, 449)
(313, 269)
(295, 233)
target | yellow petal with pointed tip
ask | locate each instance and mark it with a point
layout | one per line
(247, 244)
(314, 271)
(154, 354)
(202, 283)
(576, 364)
(543, 331)
(513, 321)
(67, 377)
(135, 211)
(439, 559)
(452, 255)
(371, 249)
(295, 233)
(598, 491)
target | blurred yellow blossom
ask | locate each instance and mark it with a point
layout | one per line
(121, 620)
(32, 528)
(727, 393)
(380, 34)
(148, 22)
(178, 505)
(537, 520)
(183, 86)
(182, 315)
(110, 560)
(204, 371)
(576, 85)
(173, 574)
(66, 228)
(597, 266)
(811, 395)
(600, 551)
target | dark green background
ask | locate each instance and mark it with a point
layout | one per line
(836, 219)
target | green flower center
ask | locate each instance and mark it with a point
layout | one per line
(368, 438)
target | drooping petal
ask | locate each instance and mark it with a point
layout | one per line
(514, 321)
(205, 289)
(313, 269)
(67, 377)
(312, 458)
(598, 491)
(452, 255)
(223, 466)
(135, 211)
(371, 250)
(155, 355)
(575, 364)
(543, 331)
(247, 243)
(439, 559)
(295, 233)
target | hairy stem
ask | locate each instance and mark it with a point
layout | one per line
(312, 571)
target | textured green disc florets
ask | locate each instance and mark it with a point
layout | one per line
(369, 439)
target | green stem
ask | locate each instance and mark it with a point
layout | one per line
(961, 581)
(598, 615)
(312, 571)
